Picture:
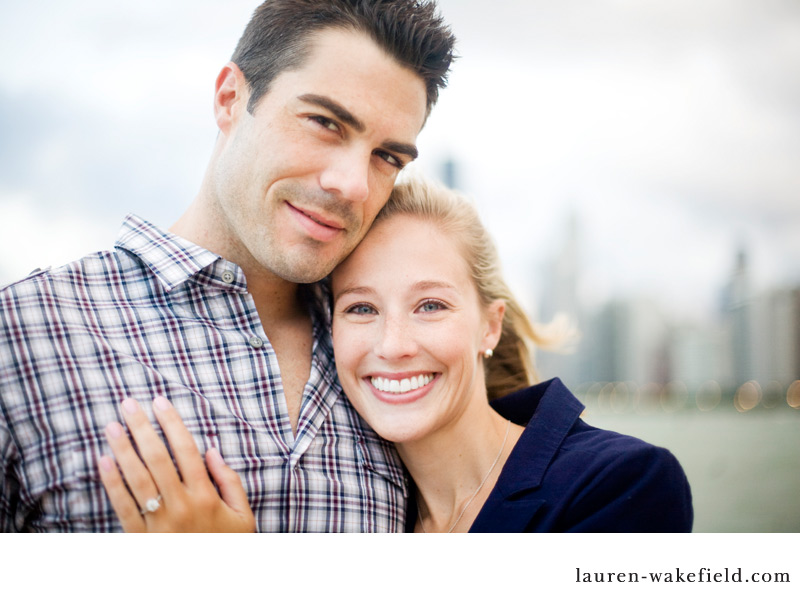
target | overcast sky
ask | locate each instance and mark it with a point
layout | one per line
(669, 129)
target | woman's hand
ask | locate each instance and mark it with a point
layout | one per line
(191, 504)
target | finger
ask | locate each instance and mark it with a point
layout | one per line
(152, 450)
(121, 500)
(184, 448)
(135, 473)
(228, 481)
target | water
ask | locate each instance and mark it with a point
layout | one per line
(744, 468)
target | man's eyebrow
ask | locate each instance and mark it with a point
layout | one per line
(407, 149)
(338, 110)
(351, 120)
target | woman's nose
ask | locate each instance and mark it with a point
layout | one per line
(396, 340)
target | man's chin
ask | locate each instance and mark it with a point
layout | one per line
(304, 272)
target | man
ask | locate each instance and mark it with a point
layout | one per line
(317, 112)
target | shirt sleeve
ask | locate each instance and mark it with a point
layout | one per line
(9, 485)
(643, 489)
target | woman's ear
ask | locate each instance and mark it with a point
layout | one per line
(231, 94)
(494, 319)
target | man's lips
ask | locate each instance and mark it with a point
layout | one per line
(318, 226)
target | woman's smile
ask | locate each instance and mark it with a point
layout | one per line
(402, 390)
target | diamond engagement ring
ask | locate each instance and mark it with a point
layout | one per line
(151, 505)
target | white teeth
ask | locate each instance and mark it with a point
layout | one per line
(404, 386)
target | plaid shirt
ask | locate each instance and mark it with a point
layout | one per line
(162, 316)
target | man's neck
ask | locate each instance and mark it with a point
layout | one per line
(276, 299)
(285, 316)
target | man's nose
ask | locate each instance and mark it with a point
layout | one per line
(396, 339)
(347, 175)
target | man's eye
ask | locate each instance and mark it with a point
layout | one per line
(325, 122)
(391, 159)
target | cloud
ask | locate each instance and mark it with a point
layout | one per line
(31, 237)
(69, 159)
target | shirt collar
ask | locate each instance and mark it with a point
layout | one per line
(173, 259)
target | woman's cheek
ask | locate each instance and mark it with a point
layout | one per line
(349, 348)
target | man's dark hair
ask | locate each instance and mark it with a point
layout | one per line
(411, 31)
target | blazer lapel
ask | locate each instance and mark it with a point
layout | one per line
(506, 516)
(549, 410)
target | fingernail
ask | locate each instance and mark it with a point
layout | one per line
(131, 405)
(106, 464)
(162, 403)
(114, 430)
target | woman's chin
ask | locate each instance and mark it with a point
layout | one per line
(398, 432)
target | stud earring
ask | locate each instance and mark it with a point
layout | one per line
(488, 353)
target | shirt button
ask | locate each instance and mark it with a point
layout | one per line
(228, 277)
(256, 342)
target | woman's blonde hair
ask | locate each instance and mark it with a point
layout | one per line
(512, 365)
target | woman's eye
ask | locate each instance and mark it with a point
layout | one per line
(361, 309)
(432, 306)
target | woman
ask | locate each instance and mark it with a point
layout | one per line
(428, 343)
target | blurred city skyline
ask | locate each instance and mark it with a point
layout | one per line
(633, 352)
(667, 130)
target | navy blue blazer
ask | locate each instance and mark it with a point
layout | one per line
(564, 475)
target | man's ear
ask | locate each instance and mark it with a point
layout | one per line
(230, 96)
(494, 319)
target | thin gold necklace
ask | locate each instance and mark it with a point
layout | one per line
(474, 494)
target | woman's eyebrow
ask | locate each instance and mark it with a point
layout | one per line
(428, 284)
(422, 285)
(353, 290)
